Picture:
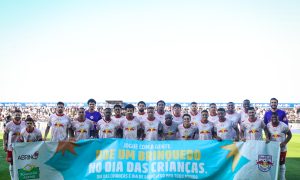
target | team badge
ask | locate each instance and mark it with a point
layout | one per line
(264, 163)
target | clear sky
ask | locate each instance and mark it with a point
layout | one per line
(176, 50)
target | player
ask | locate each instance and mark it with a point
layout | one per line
(213, 117)
(130, 125)
(141, 114)
(107, 127)
(205, 127)
(251, 129)
(93, 115)
(195, 115)
(160, 111)
(170, 128)
(152, 127)
(60, 125)
(185, 130)
(224, 127)
(280, 132)
(30, 133)
(82, 127)
(281, 114)
(177, 114)
(11, 135)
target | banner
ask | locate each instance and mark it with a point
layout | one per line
(119, 158)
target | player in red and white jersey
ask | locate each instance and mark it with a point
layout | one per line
(213, 117)
(224, 127)
(118, 114)
(152, 127)
(170, 128)
(107, 127)
(195, 115)
(232, 115)
(59, 123)
(280, 132)
(186, 131)
(11, 135)
(177, 114)
(244, 110)
(141, 114)
(30, 133)
(205, 127)
(130, 125)
(160, 111)
(82, 127)
(251, 129)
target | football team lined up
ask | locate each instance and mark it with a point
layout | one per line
(156, 124)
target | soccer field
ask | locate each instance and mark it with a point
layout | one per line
(292, 161)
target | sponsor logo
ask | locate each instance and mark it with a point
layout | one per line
(264, 163)
(35, 155)
(30, 171)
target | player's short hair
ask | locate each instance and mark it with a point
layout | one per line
(177, 105)
(18, 111)
(204, 111)
(141, 102)
(272, 99)
(170, 115)
(117, 106)
(193, 103)
(246, 100)
(129, 106)
(150, 107)
(161, 101)
(221, 109)
(186, 115)
(212, 104)
(251, 108)
(230, 103)
(29, 119)
(81, 108)
(91, 101)
(107, 109)
(60, 103)
(274, 114)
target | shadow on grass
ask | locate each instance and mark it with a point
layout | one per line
(292, 168)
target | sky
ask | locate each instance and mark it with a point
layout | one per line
(175, 50)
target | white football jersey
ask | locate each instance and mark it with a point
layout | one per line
(253, 130)
(14, 132)
(59, 126)
(278, 133)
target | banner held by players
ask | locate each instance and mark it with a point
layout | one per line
(118, 158)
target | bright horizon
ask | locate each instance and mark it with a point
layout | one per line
(178, 51)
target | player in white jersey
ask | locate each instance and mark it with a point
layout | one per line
(60, 125)
(141, 114)
(82, 127)
(130, 125)
(30, 133)
(195, 115)
(107, 127)
(251, 129)
(233, 116)
(152, 127)
(186, 131)
(160, 111)
(244, 110)
(213, 117)
(280, 132)
(205, 127)
(170, 128)
(224, 127)
(11, 135)
(117, 114)
(177, 114)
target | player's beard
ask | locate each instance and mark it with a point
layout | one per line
(141, 110)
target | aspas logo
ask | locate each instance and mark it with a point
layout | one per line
(35, 155)
(30, 171)
(264, 162)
